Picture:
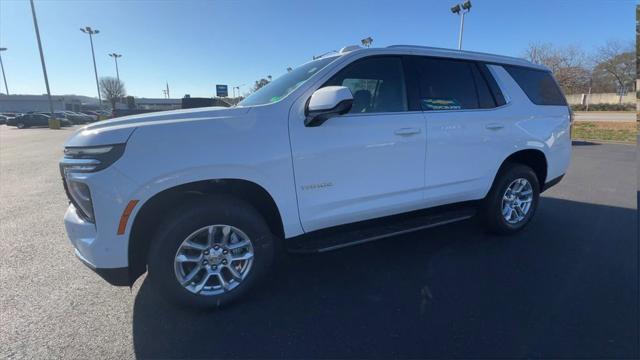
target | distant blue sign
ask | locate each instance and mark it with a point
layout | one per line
(222, 91)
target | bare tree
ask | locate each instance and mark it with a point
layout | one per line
(112, 89)
(260, 83)
(618, 62)
(568, 64)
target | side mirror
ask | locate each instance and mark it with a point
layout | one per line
(327, 102)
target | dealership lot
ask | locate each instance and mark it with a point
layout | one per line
(565, 287)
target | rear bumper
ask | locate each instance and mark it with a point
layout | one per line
(551, 183)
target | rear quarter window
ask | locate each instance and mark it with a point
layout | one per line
(539, 85)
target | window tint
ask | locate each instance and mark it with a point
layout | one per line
(446, 84)
(539, 85)
(377, 84)
(485, 99)
(493, 85)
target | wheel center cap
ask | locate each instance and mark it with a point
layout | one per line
(215, 256)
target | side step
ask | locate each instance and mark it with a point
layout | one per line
(370, 230)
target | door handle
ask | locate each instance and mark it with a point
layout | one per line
(407, 131)
(494, 126)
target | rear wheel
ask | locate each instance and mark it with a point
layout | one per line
(210, 252)
(512, 200)
(21, 125)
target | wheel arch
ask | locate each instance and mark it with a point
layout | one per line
(534, 158)
(146, 219)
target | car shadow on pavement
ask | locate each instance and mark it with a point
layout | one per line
(567, 286)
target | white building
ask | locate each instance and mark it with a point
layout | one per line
(27, 103)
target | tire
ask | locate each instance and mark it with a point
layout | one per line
(216, 212)
(21, 125)
(494, 213)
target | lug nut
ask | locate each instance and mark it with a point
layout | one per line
(216, 247)
(225, 252)
(224, 262)
(214, 267)
(206, 252)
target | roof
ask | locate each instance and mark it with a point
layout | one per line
(448, 53)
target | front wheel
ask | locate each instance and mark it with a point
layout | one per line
(512, 200)
(210, 252)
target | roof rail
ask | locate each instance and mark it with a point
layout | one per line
(455, 51)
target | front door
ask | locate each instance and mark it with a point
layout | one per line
(364, 164)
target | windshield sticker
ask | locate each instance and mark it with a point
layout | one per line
(440, 104)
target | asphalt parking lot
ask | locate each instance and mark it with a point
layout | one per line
(565, 287)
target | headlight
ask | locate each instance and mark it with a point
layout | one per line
(80, 196)
(78, 160)
(91, 158)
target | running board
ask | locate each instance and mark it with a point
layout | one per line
(371, 230)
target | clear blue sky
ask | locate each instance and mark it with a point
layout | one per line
(196, 44)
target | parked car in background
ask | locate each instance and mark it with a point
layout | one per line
(77, 118)
(34, 119)
(10, 115)
(62, 115)
(92, 114)
(3, 119)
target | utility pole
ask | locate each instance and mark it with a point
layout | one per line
(4, 77)
(44, 68)
(91, 32)
(461, 9)
(168, 94)
(115, 57)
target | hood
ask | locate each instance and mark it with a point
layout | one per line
(117, 131)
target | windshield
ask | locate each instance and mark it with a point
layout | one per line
(285, 84)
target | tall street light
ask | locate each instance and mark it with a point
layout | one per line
(115, 57)
(3, 75)
(461, 9)
(44, 68)
(91, 32)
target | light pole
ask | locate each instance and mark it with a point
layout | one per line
(44, 68)
(238, 88)
(115, 57)
(4, 77)
(91, 32)
(461, 9)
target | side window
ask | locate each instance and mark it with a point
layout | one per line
(377, 84)
(498, 96)
(539, 85)
(446, 84)
(485, 99)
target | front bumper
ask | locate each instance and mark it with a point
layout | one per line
(114, 276)
(102, 255)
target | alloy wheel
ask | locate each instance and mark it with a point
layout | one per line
(213, 260)
(516, 201)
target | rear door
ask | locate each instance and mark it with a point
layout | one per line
(464, 124)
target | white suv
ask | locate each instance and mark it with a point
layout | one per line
(348, 148)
